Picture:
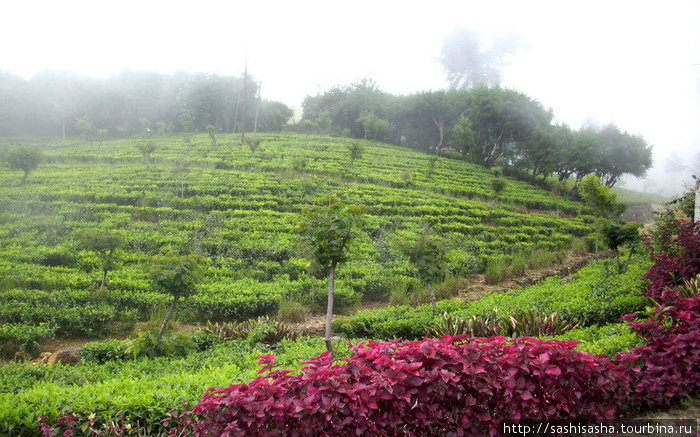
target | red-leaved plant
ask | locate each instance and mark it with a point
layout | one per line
(464, 385)
(448, 386)
(680, 260)
(668, 367)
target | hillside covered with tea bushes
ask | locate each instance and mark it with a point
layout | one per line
(235, 204)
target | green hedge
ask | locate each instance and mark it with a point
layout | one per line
(593, 296)
(144, 389)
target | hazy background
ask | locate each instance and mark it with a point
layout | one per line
(634, 63)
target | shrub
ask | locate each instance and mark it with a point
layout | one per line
(262, 330)
(57, 258)
(524, 323)
(496, 270)
(291, 312)
(149, 344)
(101, 352)
(668, 366)
(19, 337)
(449, 386)
(607, 339)
(680, 262)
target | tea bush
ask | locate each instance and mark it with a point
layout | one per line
(591, 297)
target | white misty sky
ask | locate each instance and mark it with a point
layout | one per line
(635, 63)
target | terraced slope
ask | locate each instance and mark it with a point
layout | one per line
(238, 208)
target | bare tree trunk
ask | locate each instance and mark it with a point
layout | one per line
(104, 280)
(432, 296)
(329, 310)
(441, 129)
(167, 316)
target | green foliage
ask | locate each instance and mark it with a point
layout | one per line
(261, 330)
(211, 131)
(327, 229)
(150, 344)
(690, 287)
(605, 339)
(355, 151)
(253, 144)
(591, 297)
(102, 351)
(20, 337)
(24, 158)
(617, 235)
(463, 138)
(427, 255)
(523, 323)
(374, 127)
(146, 149)
(324, 122)
(291, 312)
(178, 275)
(105, 244)
(496, 270)
(600, 198)
(498, 185)
(300, 164)
(239, 216)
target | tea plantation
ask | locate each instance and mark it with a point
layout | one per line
(236, 205)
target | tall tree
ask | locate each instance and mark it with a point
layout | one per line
(621, 153)
(326, 230)
(468, 63)
(436, 111)
(501, 119)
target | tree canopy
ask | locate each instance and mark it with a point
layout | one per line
(486, 125)
(52, 102)
(326, 230)
(26, 159)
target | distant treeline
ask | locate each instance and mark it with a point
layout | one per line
(486, 125)
(51, 103)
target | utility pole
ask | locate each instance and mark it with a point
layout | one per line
(245, 106)
(257, 109)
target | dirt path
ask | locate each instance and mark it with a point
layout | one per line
(473, 288)
(470, 288)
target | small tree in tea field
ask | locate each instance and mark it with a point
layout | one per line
(105, 244)
(211, 130)
(327, 230)
(25, 159)
(617, 235)
(146, 149)
(601, 199)
(253, 144)
(498, 185)
(356, 152)
(178, 275)
(427, 255)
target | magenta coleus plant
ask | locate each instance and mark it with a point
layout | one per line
(447, 386)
